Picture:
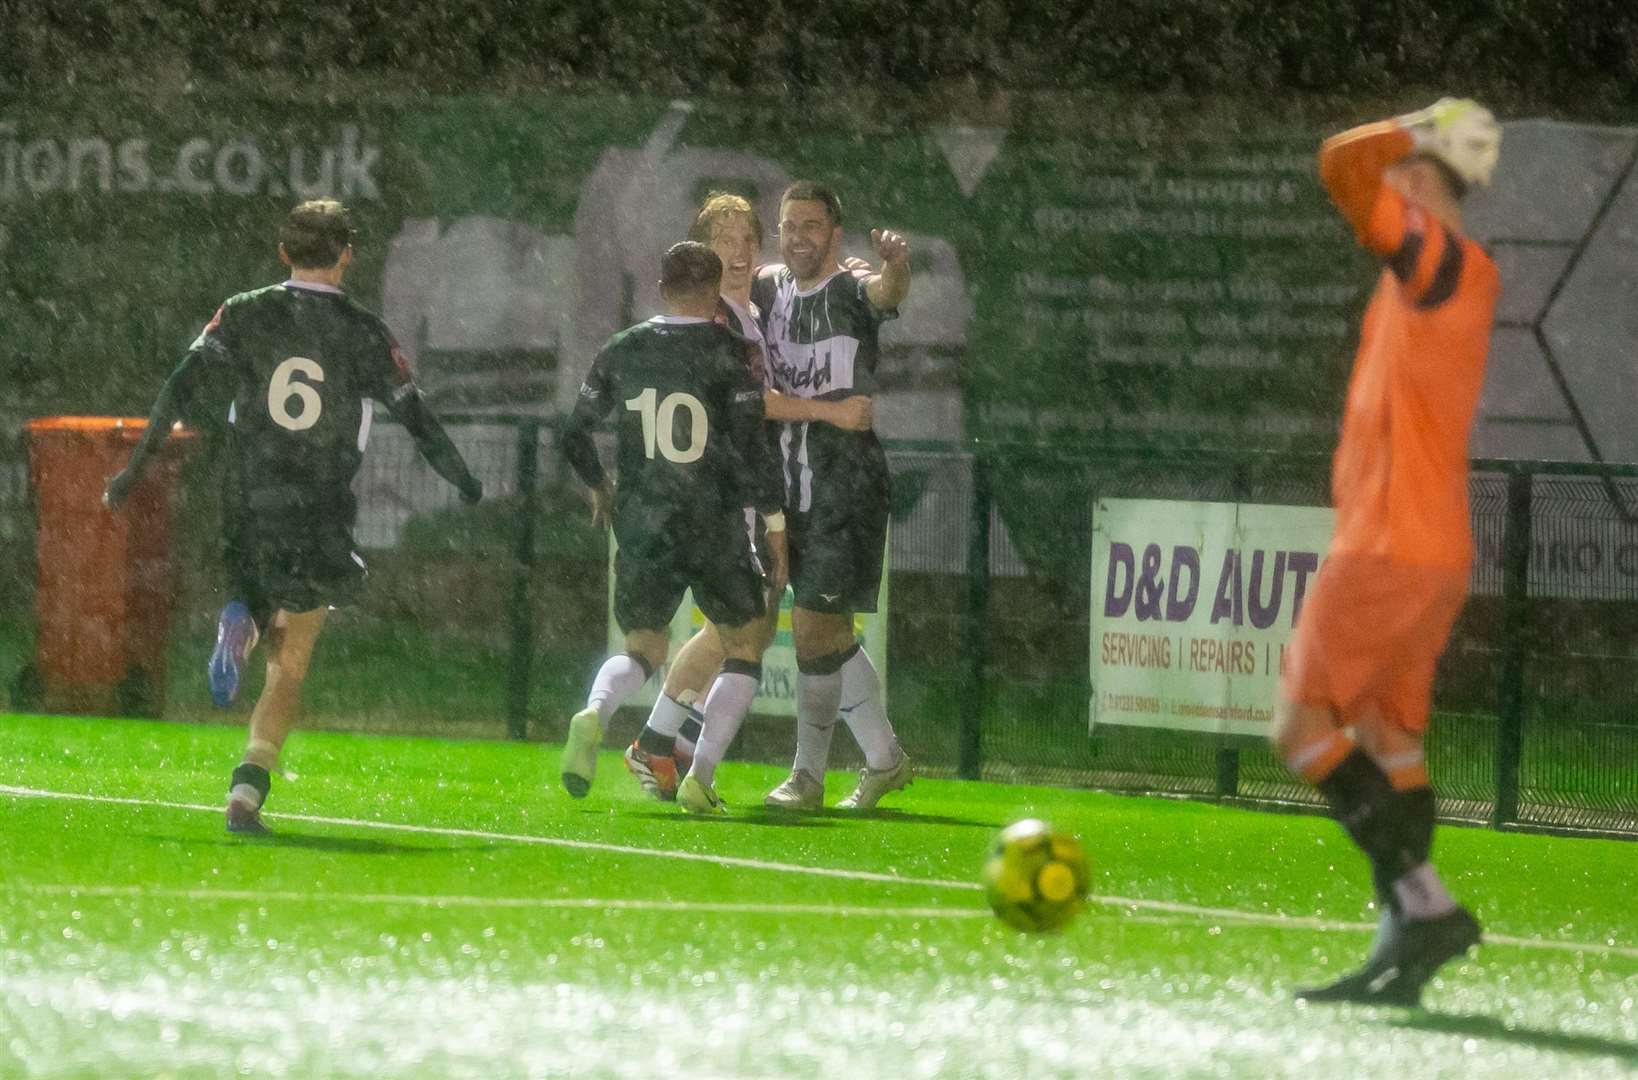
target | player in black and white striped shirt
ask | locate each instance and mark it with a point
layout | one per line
(729, 224)
(822, 322)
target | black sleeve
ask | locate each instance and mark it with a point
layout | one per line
(758, 463)
(876, 315)
(590, 407)
(763, 288)
(174, 399)
(396, 389)
(410, 409)
(178, 398)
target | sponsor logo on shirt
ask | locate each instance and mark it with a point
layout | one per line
(812, 377)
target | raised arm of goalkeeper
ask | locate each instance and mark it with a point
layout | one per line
(1461, 135)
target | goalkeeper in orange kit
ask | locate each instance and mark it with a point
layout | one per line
(1396, 574)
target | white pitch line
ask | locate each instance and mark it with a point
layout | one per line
(1131, 904)
(544, 903)
(518, 838)
(1307, 922)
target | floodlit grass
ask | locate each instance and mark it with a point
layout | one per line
(439, 909)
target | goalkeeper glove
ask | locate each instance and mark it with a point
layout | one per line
(1459, 132)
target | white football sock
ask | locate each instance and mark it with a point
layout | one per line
(621, 676)
(813, 746)
(666, 718)
(817, 699)
(1422, 894)
(691, 726)
(247, 793)
(866, 713)
(725, 708)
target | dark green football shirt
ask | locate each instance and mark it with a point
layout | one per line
(304, 364)
(293, 370)
(688, 420)
(823, 343)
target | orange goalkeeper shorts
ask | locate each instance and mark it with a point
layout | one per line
(1370, 632)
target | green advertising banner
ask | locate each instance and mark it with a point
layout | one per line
(1110, 283)
(1133, 280)
(1161, 288)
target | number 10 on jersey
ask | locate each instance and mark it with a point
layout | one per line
(660, 425)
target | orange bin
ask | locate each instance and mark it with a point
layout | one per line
(106, 581)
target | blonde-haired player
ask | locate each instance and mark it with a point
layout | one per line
(1397, 571)
(730, 225)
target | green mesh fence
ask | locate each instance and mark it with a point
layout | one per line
(490, 621)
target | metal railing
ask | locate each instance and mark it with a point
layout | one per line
(1536, 699)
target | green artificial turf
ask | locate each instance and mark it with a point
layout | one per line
(441, 909)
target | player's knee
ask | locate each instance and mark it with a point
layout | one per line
(1294, 726)
(764, 637)
(654, 646)
(287, 670)
(742, 643)
(821, 634)
(1382, 735)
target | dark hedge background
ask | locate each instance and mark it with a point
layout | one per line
(1576, 60)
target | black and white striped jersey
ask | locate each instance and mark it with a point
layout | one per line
(747, 323)
(823, 343)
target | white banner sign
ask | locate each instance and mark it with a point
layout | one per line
(1193, 605)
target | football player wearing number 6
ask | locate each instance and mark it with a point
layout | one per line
(298, 365)
(691, 457)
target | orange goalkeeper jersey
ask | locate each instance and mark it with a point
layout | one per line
(1399, 478)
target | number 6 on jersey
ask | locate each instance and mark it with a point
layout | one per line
(282, 388)
(659, 425)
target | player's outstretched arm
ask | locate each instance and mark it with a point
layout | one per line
(888, 288)
(410, 409)
(173, 398)
(853, 413)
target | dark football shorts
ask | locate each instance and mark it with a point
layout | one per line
(290, 562)
(836, 556)
(712, 555)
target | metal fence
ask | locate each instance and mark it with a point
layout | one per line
(490, 620)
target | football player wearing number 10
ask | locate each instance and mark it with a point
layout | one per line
(730, 225)
(296, 366)
(691, 457)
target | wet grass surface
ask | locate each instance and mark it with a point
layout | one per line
(434, 908)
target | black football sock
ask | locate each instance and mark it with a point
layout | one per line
(1418, 891)
(1373, 813)
(254, 777)
(690, 729)
(1416, 813)
(652, 742)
